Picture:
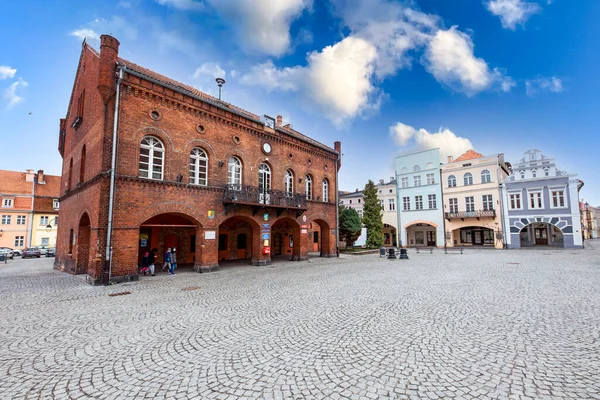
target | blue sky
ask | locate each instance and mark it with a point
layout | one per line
(384, 77)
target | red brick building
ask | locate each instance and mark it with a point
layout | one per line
(190, 171)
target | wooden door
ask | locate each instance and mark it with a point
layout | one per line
(241, 245)
(430, 238)
(541, 236)
(477, 238)
(277, 244)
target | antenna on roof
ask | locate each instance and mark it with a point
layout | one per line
(220, 82)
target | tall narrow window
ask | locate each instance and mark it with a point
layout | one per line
(404, 182)
(81, 104)
(486, 177)
(453, 205)
(406, 203)
(451, 181)
(470, 204)
(71, 238)
(535, 200)
(82, 165)
(289, 183)
(152, 158)
(488, 202)
(417, 180)
(558, 198)
(432, 201)
(392, 204)
(264, 183)
(198, 167)
(70, 174)
(308, 187)
(430, 179)
(234, 173)
(418, 202)
(325, 190)
(515, 201)
(468, 179)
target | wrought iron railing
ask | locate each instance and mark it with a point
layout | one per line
(471, 214)
(258, 196)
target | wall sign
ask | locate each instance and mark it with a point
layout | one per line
(210, 214)
(210, 235)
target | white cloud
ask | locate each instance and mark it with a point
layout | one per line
(209, 69)
(186, 5)
(448, 143)
(551, 84)
(512, 12)
(13, 94)
(85, 33)
(262, 25)
(450, 58)
(7, 72)
(338, 79)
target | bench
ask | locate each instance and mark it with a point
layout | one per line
(425, 249)
(453, 250)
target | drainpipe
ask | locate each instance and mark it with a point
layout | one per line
(399, 230)
(501, 189)
(112, 177)
(337, 208)
(30, 238)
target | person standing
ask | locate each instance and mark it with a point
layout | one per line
(145, 263)
(173, 261)
(167, 264)
(152, 260)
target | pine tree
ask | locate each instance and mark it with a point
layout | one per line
(372, 216)
(350, 225)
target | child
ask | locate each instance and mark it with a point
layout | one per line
(173, 261)
(167, 264)
(145, 263)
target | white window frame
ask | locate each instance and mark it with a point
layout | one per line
(405, 182)
(486, 176)
(234, 172)
(419, 202)
(392, 204)
(451, 181)
(519, 198)
(430, 179)
(19, 241)
(470, 180)
(487, 202)
(381, 204)
(6, 219)
(198, 167)
(469, 203)
(55, 204)
(406, 203)
(44, 219)
(155, 148)
(453, 205)
(325, 190)
(539, 191)
(289, 182)
(562, 189)
(308, 187)
(417, 180)
(7, 203)
(21, 219)
(432, 201)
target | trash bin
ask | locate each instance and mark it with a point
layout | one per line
(381, 252)
(2, 257)
(391, 254)
(403, 255)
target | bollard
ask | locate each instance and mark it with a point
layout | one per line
(381, 252)
(391, 254)
(403, 254)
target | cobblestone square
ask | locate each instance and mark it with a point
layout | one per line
(486, 324)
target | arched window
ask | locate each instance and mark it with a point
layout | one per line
(82, 165)
(522, 174)
(451, 181)
(416, 168)
(534, 173)
(70, 174)
(152, 158)
(308, 187)
(71, 242)
(289, 182)
(325, 191)
(468, 178)
(264, 183)
(198, 167)
(234, 173)
(486, 177)
(546, 171)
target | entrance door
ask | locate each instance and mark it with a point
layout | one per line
(241, 245)
(277, 244)
(430, 238)
(541, 236)
(477, 238)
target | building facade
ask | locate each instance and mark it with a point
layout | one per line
(386, 193)
(541, 204)
(472, 206)
(45, 210)
(419, 199)
(590, 216)
(185, 170)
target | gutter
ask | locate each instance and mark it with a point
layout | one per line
(112, 176)
(30, 238)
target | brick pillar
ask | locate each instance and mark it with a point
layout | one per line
(207, 250)
(301, 243)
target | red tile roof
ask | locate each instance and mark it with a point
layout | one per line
(13, 182)
(469, 155)
(51, 188)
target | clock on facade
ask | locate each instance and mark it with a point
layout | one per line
(266, 147)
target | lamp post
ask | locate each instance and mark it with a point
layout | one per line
(49, 226)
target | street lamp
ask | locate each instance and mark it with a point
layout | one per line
(49, 226)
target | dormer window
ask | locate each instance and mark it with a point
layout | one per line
(534, 173)
(7, 203)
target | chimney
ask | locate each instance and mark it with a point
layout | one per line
(381, 181)
(61, 136)
(449, 159)
(391, 179)
(279, 120)
(40, 176)
(338, 147)
(109, 54)
(29, 175)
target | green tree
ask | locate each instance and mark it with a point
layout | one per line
(350, 225)
(372, 216)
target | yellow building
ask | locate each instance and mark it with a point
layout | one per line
(472, 201)
(45, 210)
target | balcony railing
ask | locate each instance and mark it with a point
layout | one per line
(471, 214)
(253, 196)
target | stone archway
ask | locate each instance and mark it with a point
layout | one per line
(541, 234)
(421, 233)
(286, 239)
(239, 238)
(543, 231)
(326, 240)
(83, 244)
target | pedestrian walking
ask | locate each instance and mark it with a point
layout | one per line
(173, 261)
(167, 264)
(152, 260)
(145, 263)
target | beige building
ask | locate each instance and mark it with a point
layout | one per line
(590, 219)
(45, 210)
(472, 201)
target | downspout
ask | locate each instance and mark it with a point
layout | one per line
(501, 189)
(112, 177)
(30, 238)
(399, 230)
(337, 208)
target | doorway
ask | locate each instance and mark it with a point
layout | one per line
(431, 238)
(541, 236)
